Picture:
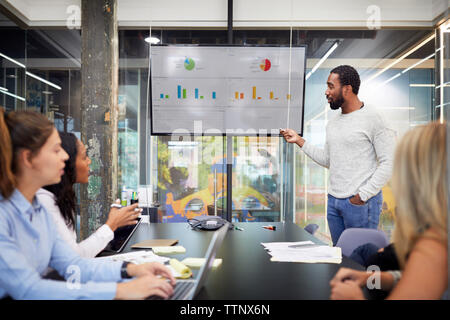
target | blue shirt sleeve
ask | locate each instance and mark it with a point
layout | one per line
(20, 279)
(66, 261)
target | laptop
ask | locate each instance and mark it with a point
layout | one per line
(188, 289)
(121, 237)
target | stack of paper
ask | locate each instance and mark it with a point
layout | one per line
(137, 257)
(303, 251)
(199, 262)
(169, 249)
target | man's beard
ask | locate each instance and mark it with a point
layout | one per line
(334, 105)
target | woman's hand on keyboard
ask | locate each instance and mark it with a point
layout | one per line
(143, 287)
(150, 268)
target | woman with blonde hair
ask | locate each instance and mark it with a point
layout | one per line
(419, 183)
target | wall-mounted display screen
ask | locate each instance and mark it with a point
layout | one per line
(218, 90)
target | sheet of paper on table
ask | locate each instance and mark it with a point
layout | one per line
(140, 257)
(303, 251)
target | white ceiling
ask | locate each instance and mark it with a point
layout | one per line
(248, 13)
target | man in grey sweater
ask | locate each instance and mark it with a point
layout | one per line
(358, 152)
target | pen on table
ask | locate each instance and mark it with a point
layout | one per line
(270, 227)
(240, 229)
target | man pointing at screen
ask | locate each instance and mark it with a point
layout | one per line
(358, 152)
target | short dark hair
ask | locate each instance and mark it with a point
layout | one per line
(348, 76)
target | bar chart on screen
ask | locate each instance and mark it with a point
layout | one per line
(226, 87)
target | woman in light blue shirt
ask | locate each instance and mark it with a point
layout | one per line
(30, 158)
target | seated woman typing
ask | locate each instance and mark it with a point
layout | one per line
(60, 200)
(30, 158)
(420, 185)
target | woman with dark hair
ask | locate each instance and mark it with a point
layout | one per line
(60, 201)
(31, 157)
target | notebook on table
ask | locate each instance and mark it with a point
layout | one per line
(147, 244)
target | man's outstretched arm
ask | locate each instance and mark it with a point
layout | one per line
(318, 155)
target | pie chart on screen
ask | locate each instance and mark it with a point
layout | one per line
(189, 64)
(265, 65)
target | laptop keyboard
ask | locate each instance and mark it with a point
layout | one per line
(182, 287)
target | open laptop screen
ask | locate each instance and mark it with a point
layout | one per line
(121, 237)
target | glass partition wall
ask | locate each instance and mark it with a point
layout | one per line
(397, 77)
(272, 181)
(12, 69)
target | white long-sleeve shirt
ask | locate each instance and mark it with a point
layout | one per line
(87, 248)
(358, 151)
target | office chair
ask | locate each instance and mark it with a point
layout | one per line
(352, 238)
(312, 228)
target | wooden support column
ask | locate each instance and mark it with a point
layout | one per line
(99, 115)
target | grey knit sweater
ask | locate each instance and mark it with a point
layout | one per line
(358, 151)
